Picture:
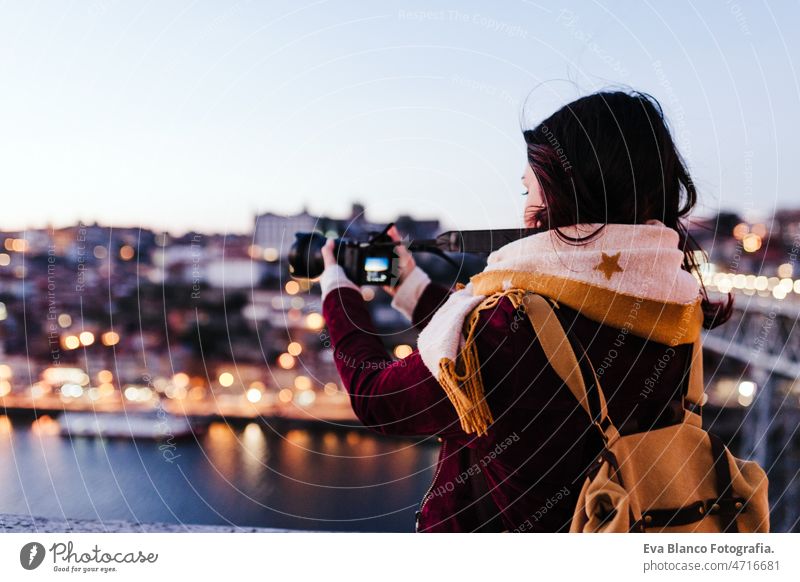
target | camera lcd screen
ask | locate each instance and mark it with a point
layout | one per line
(377, 269)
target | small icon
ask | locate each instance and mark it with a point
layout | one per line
(31, 555)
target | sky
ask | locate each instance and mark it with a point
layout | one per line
(180, 115)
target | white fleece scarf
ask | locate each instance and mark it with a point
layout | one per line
(641, 262)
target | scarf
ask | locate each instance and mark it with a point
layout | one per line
(629, 277)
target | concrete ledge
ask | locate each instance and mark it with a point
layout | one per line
(28, 523)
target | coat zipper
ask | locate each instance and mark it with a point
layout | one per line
(427, 495)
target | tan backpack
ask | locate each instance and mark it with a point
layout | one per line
(678, 478)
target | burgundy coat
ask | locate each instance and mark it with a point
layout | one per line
(526, 473)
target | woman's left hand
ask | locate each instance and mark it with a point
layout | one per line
(406, 261)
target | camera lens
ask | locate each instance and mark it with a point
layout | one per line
(305, 255)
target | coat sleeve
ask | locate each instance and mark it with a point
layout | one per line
(418, 298)
(388, 396)
(431, 300)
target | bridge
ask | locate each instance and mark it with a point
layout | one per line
(763, 339)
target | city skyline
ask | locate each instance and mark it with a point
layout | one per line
(187, 116)
(305, 221)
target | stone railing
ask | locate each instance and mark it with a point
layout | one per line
(30, 524)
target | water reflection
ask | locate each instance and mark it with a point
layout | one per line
(252, 475)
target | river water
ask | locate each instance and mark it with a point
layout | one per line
(249, 475)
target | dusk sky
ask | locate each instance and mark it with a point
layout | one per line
(196, 115)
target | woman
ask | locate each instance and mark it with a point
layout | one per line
(606, 183)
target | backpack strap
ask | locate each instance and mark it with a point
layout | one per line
(561, 356)
(725, 505)
(695, 388)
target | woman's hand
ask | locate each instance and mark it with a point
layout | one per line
(406, 261)
(327, 254)
(333, 276)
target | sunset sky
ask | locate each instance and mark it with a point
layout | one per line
(196, 115)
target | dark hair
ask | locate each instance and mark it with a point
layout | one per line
(609, 157)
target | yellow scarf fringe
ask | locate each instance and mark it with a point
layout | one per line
(462, 380)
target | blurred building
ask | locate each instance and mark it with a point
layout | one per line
(274, 233)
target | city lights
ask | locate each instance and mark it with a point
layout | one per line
(302, 383)
(746, 393)
(72, 390)
(254, 395)
(181, 380)
(777, 288)
(294, 348)
(176, 392)
(747, 388)
(110, 338)
(126, 252)
(271, 254)
(16, 245)
(196, 393)
(5, 372)
(138, 393)
(751, 242)
(740, 230)
(71, 342)
(226, 379)
(305, 398)
(286, 361)
(402, 351)
(106, 389)
(57, 375)
(315, 321)
(86, 338)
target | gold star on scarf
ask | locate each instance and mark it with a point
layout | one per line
(609, 264)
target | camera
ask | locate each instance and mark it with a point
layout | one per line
(370, 261)
(373, 260)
